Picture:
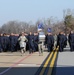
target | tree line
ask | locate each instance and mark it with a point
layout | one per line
(65, 25)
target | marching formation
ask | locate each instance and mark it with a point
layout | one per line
(32, 43)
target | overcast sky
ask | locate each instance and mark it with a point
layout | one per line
(32, 10)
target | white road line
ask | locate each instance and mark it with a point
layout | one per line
(28, 65)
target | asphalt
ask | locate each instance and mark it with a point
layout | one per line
(17, 64)
(28, 64)
(64, 63)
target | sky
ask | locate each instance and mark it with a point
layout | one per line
(33, 10)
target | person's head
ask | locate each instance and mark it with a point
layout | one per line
(22, 33)
(16, 34)
(61, 32)
(49, 33)
(35, 33)
(30, 33)
(71, 32)
(1, 34)
(8, 35)
(12, 34)
(4, 34)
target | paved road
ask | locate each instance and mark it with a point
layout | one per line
(15, 64)
(28, 64)
(65, 63)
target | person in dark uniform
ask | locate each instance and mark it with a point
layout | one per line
(36, 39)
(16, 36)
(27, 43)
(12, 42)
(61, 41)
(31, 42)
(5, 43)
(1, 41)
(50, 42)
(71, 40)
(8, 44)
(65, 42)
(58, 40)
(46, 40)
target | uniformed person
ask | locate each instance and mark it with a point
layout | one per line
(36, 41)
(5, 42)
(12, 42)
(61, 41)
(31, 42)
(1, 41)
(16, 36)
(27, 43)
(50, 41)
(71, 40)
(8, 43)
(22, 41)
(46, 40)
(65, 42)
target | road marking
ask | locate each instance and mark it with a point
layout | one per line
(27, 65)
(46, 63)
(52, 63)
(14, 64)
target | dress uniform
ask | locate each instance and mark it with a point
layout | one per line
(71, 41)
(12, 42)
(1, 41)
(16, 42)
(31, 43)
(69, 38)
(5, 43)
(45, 41)
(50, 40)
(65, 42)
(36, 39)
(60, 41)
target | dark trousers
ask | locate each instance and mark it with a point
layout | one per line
(61, 46)
(12, 47)
(49, 48)
(1, 48)
(31, 47)
(36, 46)
(72, 47)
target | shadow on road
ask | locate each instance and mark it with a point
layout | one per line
(63, 71)
(18, 71)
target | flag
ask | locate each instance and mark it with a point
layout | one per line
(49, 30)
(40, 26)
